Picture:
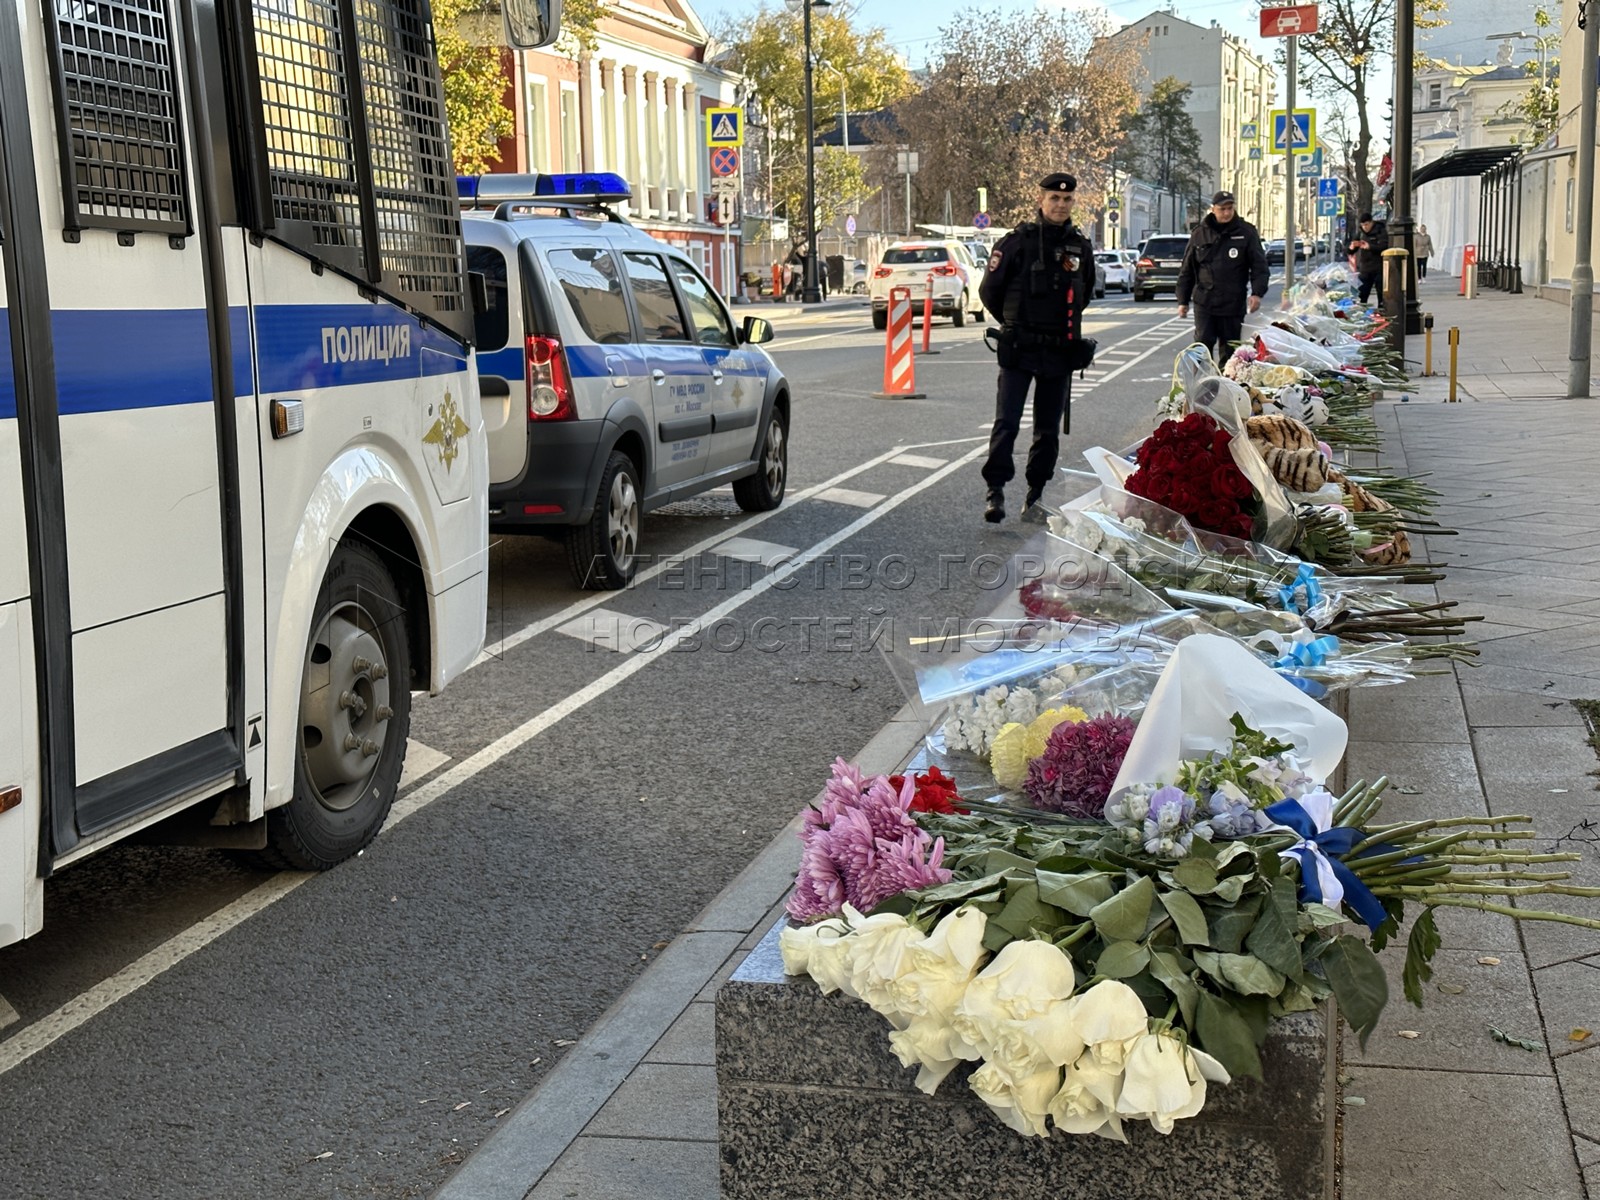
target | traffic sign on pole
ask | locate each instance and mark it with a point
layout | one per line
(724, 126)
(724, 160)
(980, 220)
(1289, 21)
(1304, 130)
(850, 226)
(1113, 216)
(1327, 189)
(1309, 166)
(1327, 206)
(1249, 131)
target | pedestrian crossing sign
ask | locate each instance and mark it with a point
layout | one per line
(1304, 127)
(724, 127)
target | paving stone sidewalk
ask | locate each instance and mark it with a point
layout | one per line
(1450, 1114)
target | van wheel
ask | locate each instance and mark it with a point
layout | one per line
(355, 715)
(763, 491)
(603, 552)
(959, 317)
(880, 319)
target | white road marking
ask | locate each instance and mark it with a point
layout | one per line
(846, 496)
(745, 549)
(817, 337)
(611, 630)
(420, 761)
(8, 1015)
(918, 460)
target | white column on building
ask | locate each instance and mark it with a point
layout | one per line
(693, 206)
(650, 159)
(608, 117)
(672, 125)
(588, 111)
(631, 116)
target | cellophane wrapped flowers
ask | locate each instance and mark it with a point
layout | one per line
(1186, 465)
(1079, 764)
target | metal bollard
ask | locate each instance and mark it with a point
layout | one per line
(1427, 331)
(1396, 262)
(1455, 343)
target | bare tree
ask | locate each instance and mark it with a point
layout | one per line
(1009, 99)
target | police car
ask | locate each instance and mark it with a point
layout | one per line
(614, 380)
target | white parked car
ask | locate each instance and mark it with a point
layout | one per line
(1118, 269)
(948, 264)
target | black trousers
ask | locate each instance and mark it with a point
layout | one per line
(1368, 283)
(1052, 400)
(1422, 267)
(1218, 332)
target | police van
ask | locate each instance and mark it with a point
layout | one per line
(614, 379)
(242, 460)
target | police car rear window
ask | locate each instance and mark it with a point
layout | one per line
(924, 254)
(492, 331)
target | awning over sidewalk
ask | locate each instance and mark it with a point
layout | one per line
(1475, 160)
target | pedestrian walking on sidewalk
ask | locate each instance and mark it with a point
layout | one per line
(1369, 248)
(1039, 280)
(1224, 273)
(1422, 243)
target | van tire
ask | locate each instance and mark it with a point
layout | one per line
(339, 802)
(603, 552)
(763, 491)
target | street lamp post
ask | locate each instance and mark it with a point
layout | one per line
(1401, 223)
(810, 292)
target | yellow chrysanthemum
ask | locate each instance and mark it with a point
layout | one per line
(1008, 757)
(1040, 729)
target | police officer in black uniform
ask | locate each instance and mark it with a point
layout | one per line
(1039, 281)
(1223, 264)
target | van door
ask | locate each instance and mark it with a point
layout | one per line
(147, 520)
(680, 378)
(502, 365)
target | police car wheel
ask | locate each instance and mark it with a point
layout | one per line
(763, 491)
(603, 552)
(355, 715)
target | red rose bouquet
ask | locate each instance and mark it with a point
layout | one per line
(1186, 466)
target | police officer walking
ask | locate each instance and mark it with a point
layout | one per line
(1223, 265)
(1039, 281)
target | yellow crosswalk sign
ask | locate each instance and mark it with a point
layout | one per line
(724, 127)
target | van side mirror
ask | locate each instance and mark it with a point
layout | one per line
(755, 330)
(530, 24)
(478, 290)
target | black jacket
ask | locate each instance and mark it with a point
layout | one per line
(1369, 259)
(1222, 266)
(1040, 278)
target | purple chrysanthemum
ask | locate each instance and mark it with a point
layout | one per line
(860, 846)
(1079, 764)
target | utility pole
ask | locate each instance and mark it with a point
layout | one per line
(1400, 142)
(1581, 334)
(1288, 170)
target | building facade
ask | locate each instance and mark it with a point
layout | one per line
(635, 105)
(1233, 91)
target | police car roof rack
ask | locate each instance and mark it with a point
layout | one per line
(512, 195)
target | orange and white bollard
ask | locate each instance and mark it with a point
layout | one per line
(927, 319)
(899, 370)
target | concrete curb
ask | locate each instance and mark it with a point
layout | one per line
(512, 1160)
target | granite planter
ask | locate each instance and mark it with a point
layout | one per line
(812, 1104)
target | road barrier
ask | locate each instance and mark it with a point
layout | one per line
(1455, 342)
(927, 319)
(899, 371)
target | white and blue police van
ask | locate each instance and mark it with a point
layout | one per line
(243, 472)
(614, 379)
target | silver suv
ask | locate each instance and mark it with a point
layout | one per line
(614, 379)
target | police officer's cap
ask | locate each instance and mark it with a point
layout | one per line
(1059, 182)
(1222, 198)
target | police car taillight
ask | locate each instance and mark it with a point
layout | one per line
(1147, 262)
(549, 384)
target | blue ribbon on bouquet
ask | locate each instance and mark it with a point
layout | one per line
(1324, 878)
(1309, 654)
(1304, 579)
(1309, 686)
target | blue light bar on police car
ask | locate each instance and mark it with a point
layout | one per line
(596, 187)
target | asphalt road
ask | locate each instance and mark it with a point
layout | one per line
(361, 1032)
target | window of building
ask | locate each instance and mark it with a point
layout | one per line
(1435, 95)
(538, 126)
(659, 315)
(571, 152)
(589, 280)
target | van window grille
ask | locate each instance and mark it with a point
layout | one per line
(117, 107)
(419, 221)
